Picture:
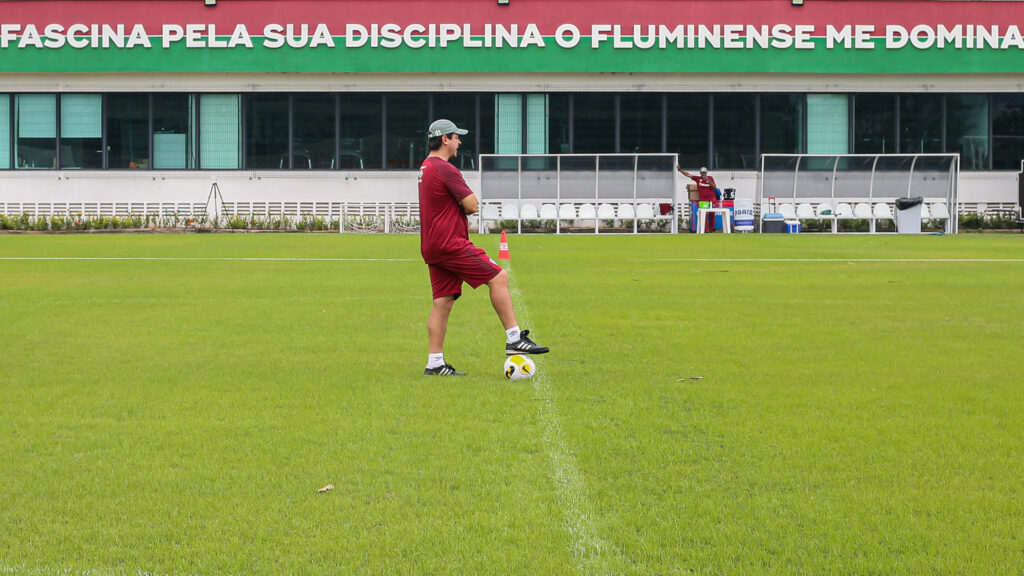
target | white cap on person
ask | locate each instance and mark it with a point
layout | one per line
(703, 169)
(443, 127)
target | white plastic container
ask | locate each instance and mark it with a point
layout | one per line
(743, 214)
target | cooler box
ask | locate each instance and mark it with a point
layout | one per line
(773, 223)
(792, 226)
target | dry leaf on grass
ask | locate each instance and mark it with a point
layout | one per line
(325, 489)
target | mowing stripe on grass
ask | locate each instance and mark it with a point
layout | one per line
(229, 259)
(955, 260)
(586, 546)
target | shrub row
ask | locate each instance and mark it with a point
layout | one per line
(309, 222)
(72, 222)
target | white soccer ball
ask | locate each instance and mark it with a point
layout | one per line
(519, 368)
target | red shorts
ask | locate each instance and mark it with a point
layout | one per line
(473, 266)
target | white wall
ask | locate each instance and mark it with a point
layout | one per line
(401, 186)
(155, 187)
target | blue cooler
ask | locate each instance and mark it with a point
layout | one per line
(792, 226)
(773, 223)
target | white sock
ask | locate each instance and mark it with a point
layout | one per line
(435, 360)
(512, 334)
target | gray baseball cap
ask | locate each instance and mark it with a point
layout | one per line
(442, 127)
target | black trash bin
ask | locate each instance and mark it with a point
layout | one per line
(908, 215)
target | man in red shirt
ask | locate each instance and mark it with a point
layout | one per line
(445, 201)
(705, 191)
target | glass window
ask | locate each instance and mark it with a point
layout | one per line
(173, 136)
(782, 123)
(485, 139)
(593, 123)
(508, 110)
(128, 131)
(967, 129)
(641, 122)
(313, 132)
(266, 132)
(1007, 131)
(81, 131)
(5, 131)
(735, 125)
(558, 123)
(361, 137)
(35, 117)
(874, 124)
(460, 109)
(920, 123)
(536, 123)
(828, 124)
(407, 122)
(220, 131)
(688, 129)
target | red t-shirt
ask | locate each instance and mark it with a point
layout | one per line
(444, 228)
(705, 187)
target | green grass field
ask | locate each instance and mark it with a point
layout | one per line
(170, 404)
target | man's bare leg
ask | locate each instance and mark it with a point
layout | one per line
(437, 325)
(501, 299)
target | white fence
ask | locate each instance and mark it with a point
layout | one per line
(387, 217)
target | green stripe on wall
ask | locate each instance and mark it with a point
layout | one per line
(455, 58)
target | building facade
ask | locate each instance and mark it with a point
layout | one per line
(327, 101)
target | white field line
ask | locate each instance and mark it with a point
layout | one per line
(586, 546)
(955, 260)
(215, 259)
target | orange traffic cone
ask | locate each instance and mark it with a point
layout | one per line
(503, 247)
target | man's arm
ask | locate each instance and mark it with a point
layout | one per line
(685, 173)
(470, 204)
(458, 188)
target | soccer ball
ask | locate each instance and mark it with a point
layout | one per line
(519, 368)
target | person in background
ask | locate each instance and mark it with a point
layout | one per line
(706, 192)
